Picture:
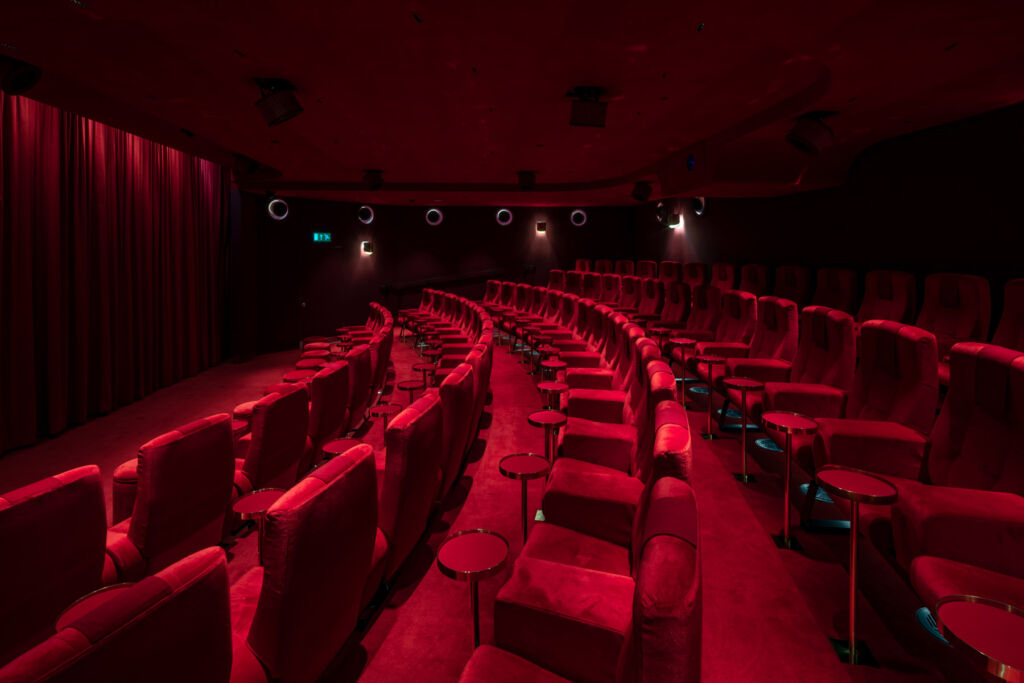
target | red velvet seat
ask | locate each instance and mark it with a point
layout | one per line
(754, 279)
(629, 298)
(582, 265)
(836, 288)
(170, 627)
(591, 286)
(703, 319)
(574, 282)
(891, 407)
(295, 612)
(676, 307)
(723, 276)
(956, 308)
(180, 491)
(773, 344)
(411, 477)
(361, 377)
(603, 265)
(694, 274)
(589, 625)
(793, 283)
(939, 577)
(611, 288)
(457, 406)
(1010, 332)
(646, 269)
(652, 295)
(888, 295)
(736, 325)
(670, 271)
(271, 454)
(556, 279)
(624, 267)
(492, 292)
(52, 532)
(330, 395)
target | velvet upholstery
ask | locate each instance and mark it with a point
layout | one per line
(624, 267)
(574, 282)
(611, 288)
(956, 308)
(52, 532)
(591, 286)
(603, 265)
(793, 283)
(694, 274)
(629, 298)
(652, 294)
(361, 377)
(329, 391)
(170, 627)
(277, 444)
(888, 295)
(670, 271)
(646, 269)
(723, 276)
(937, 577)
(183, 491)
(836, 288)
(582, 265)
(457, 404)
(705, 314)
(412, 476)
(735, 326)
(308, 592)
(754, 279)
(1010, 332)
(556, 279)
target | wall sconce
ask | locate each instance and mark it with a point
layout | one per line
(367, 248)
(542, 227)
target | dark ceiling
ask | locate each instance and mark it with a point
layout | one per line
(451, 98)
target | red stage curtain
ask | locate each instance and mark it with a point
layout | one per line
(112, 268)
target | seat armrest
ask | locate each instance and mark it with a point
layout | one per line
(762, 369)
(596, 404)
(581, 359)
(126, 485)
(981, 528)
(589, 378)
(873, 445)
(726, 349)
(813, 400)
(602, 444)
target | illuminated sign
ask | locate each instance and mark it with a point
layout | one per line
(322, 237)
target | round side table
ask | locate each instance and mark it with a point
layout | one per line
(298, 375)
(987, 631)
(433, 354)
(550, 368)
(254, 505)
(410, 385)
(550, 420)
(857, 487)
(551, 391)
(427, 370)
(333, 449)
(711, 362)
(788, 423)
(310, 364)
(743, 385)
(385, 410)
(89, 602)
(473, 555)
(524, 466)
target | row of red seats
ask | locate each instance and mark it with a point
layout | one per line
(607, 586)
(181, 618)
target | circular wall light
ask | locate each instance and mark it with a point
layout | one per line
(277, 209)
(434, 217)
(578, 217)
(700, 205)
(503, 216)
(365, 214)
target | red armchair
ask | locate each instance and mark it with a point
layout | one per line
(611, 288)
(669, 271)
(624, 267)
(1010, 332)
(723, 276)
(457, 404)
(629, 298)
(735, 329)
(271, 454)
(888, 295)
(836, 288)
(793, 283)
(694, 274)
(754, 279)
(956, 308)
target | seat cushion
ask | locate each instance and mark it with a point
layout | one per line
(813, 400)
(569, 620)
(376, 575)
(490, 664)
(566, 546)
(601, 443)
(936, 577)
(592, 499)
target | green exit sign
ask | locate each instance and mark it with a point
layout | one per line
(322, 237)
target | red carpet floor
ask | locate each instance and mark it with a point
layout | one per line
(767, 613)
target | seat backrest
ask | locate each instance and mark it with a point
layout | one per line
(978, 438)
(739, 317)
(53, 533)
(956, 308)
(888, 295)
(664, 641)
(624, 267)
(659, 385)
(611, 286)
(670, 271)
(630, 296)
(582, 265)
(793, 283)
(694, 273)
(723, 276)
(677, 302)
(836, 288)
(317, 548)
(592, 286)
(754, 279)
(457, 415)
(1010, 332)
(556, 279)
(184, 489)
(897, 376)
(646, 269)
(171, 627)
(492, 291)
(279, 440)
(574, 282)
(652, 293)
(360, 374)
(827, 351)
(706, 309)
(603, 265)
(508, 292)
(412, 477)
(777, 330)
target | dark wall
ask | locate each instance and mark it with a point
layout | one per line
(945, 199)
(288, 287)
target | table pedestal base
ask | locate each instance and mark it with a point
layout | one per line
(782, 543)
(864, 656)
